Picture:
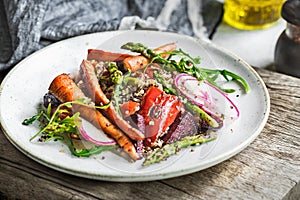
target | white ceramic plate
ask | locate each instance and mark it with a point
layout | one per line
(23, 89)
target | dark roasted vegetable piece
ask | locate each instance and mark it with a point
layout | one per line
(184, 125)
(50, 98)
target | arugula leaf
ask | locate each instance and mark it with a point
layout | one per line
(92, 151)
(86, 152)
(32, 119)
(187, 64)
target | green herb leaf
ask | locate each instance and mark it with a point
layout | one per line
(92, 151)
(86, 152)
(32, 119)
(187, 64)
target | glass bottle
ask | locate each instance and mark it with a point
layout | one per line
(252, 14)
(287, 50)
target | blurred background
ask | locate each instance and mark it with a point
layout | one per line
(26, 26)
(255, 46)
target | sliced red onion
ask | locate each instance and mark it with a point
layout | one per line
(139, 148)
(232, 105)
(88, 138)
(211, 99)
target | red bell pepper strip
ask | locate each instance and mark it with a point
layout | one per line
(129, 108)
(159, 111)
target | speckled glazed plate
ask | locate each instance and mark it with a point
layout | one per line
(23, 89)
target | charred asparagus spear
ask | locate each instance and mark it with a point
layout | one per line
(168, 150)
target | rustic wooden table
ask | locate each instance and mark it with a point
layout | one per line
(269, 168)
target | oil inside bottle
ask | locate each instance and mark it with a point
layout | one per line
(252, 14)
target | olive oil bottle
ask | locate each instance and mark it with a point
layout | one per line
(252, 14)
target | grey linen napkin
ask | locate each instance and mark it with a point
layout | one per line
(28, 25)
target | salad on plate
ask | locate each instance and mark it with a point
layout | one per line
(150, 103)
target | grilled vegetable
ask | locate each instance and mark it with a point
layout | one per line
(129, 108)
(94, 91)
(64, 88)
(135, 63)
(165, 48)
(184, 125)
(159, 111)
(161, 154)
(100, 55)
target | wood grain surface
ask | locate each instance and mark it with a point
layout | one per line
(269, 168)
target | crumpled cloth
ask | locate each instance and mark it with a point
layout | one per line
(29, 25)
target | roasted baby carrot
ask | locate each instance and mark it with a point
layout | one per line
(129, 108)
(100, 55)
(135, 63)
(165, 48)
(89, 78)
(65, 89)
